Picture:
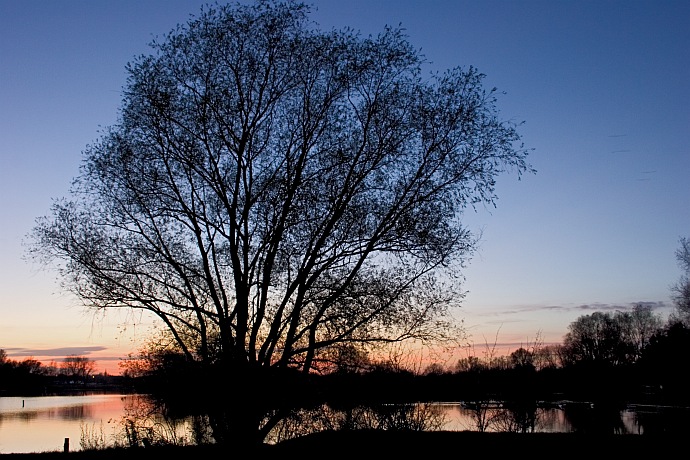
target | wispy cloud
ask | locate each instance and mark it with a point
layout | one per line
(57, 352)
(584, 308)
(603, 307)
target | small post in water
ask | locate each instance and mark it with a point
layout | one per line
(66, 445)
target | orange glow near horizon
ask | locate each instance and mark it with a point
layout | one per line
(109, 365)
(415, 359)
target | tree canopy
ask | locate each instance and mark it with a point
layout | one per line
(610, 339)
(271, 190)
(681, 289)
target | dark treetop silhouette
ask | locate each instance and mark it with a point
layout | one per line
(272, 191)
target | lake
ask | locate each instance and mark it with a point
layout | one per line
(38, 424)
(41, 424)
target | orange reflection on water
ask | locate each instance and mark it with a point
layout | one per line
(40, 424)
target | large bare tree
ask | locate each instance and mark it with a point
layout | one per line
(271, 191)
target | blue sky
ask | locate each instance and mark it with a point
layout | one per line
(602, 86)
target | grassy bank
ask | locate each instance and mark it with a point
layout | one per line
(360, 445)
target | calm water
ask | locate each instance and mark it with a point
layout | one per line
(40, 424)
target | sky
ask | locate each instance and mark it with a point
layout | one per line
(603, 89)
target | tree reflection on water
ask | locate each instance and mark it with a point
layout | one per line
(78, 412)
(412, 417)
(148, 422)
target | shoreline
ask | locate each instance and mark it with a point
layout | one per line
(376, 443)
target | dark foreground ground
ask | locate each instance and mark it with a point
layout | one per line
(359, 445)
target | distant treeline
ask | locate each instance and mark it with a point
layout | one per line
(619, 358)
(29, 377)
(625, 357)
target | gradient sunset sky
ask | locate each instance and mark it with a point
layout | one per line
(602, 86)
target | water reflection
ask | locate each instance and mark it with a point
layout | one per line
(660, 419)
(32, 408)
(39, 424)
(96, 421)
(25, 416)
(566, 417)
(75, 412)
(413, 417)
(498, 417)
(145, 421)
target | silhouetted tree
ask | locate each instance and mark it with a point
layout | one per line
(79, 367)
(600, 352)
(434, 369)
(606, 339)
(24, 377)
(611, 339)
(593, 338)
(51, 369)
(522, 359)
(271, 191)
(665, 363)
(637, 328)
(469, 364)
(548, 357)
(681, 289)
(347, 358)
(31, 366)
